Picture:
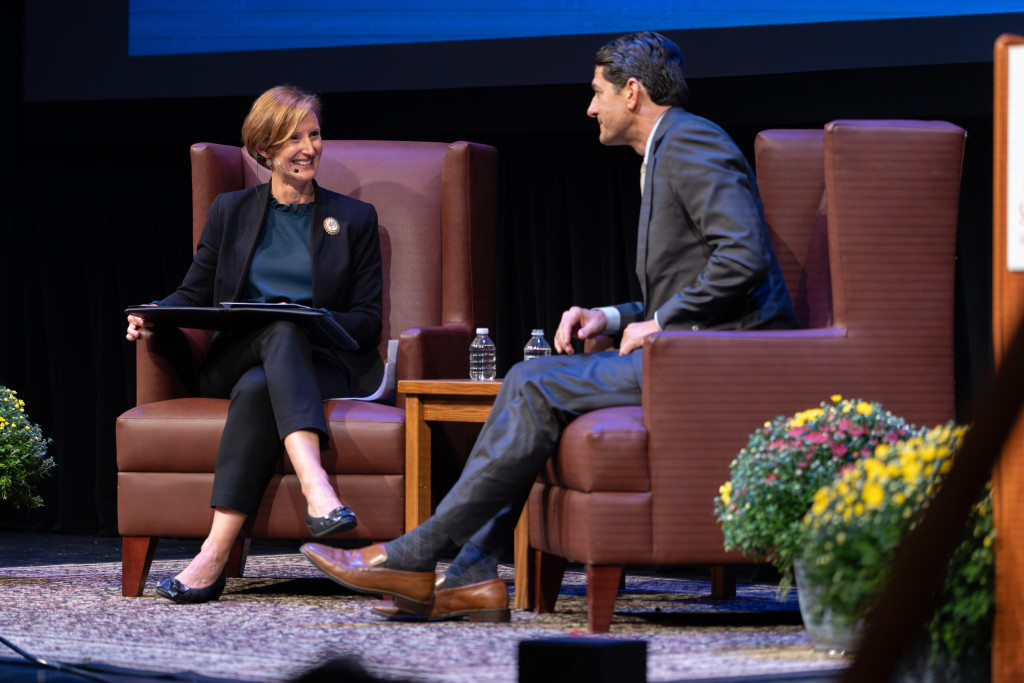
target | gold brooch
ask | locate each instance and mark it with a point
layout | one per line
(331, 226)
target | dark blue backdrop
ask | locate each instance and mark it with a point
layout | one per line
(156, 27)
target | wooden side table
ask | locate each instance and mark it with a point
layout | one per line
(451, 400)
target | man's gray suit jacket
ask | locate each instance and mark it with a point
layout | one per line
(704, 256)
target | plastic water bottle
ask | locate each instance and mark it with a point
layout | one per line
(537, 347)
(482, 358)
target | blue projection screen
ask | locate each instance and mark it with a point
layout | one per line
(129, 49)
(206, 26)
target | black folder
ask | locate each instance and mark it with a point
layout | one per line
(234, 316)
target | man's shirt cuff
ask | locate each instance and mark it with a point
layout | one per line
(614, 323)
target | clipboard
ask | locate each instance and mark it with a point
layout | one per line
(234, 316)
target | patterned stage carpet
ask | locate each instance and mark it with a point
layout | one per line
(282, 618)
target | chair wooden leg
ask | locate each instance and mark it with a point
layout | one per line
(548, 572)
(136, 558)
(602, 589)
(524, 593)
(723, 581)
(236, 559)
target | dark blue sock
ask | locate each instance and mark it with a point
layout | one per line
(473, 565)
(420, 549)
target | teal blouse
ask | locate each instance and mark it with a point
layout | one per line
(282, 267)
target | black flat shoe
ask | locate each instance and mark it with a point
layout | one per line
(338, 520)
(176, 591)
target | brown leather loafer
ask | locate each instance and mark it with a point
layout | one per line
(480, 602)
(360, 570)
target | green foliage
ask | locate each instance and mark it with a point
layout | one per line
(774, 477)
(962, 623)
(857, 523)
(23, 459)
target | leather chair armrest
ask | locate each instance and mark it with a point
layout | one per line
(703, 394)
(167, 360)
(440, 352)
(726, 381)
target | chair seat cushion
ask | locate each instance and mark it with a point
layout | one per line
(593, 528)
(143, 499)
(182, 435)
(603, 450)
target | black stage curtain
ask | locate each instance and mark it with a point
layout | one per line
(98, 217)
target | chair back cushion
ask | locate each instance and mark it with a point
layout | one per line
(791, 178)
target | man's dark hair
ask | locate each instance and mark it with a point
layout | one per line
(652, 59)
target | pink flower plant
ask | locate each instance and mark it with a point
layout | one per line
(774, 477)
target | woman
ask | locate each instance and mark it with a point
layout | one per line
(285, 241)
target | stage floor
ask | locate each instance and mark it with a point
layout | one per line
(62, 603)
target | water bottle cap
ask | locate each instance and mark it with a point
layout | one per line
(482, 330)
(537, 332)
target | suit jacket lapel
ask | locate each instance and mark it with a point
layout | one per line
(643, 229)
(317, 236)
(250, 226)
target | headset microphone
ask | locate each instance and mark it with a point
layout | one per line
(278, 162)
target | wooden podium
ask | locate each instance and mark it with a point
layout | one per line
(1007, 314)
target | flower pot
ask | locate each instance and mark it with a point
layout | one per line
(825, 632)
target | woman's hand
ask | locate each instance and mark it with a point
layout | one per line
(136, 325)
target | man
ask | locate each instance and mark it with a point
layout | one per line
(704, 260)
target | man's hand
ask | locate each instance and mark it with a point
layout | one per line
(636, 335)
(578, 323)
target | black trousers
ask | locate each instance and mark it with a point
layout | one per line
(538, 399)
(276, 381)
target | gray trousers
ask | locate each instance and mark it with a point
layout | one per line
(538, 399)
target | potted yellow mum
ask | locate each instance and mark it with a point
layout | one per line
(23, 459)
(852, 534)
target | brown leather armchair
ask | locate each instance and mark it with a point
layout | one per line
(436, 205)
(863, 216)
